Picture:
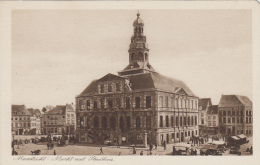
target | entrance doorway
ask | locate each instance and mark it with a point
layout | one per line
(167, 138)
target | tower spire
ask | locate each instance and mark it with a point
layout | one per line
(138, 51)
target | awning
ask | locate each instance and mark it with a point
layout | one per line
(234, 137)
(242, 136)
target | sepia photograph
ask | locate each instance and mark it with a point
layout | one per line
(140, 82)
(132, 82)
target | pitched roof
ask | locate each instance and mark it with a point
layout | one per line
(234, 100)
(204, 102)
(213, 109)
(35, 112)
(60, 110)
(144, 81)
(20, 110)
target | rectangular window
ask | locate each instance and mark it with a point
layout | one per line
(88, 104)
(118, 102)
(176, 103)
(220, 120)
(102, 103)
(249, 119)
(172, 121)
(246, 119)
(237, 112)
(109, 88)
(237, 119)
(246, 113)
(250, 113)
(137, 102)
(192, 104)
(181, 121)
(192, 123)
(110, 103)
(202, 121)
(214, 123)
(241, 120)
(185, 121)
(196, 120)
(166, 102)
(173, 135)
(233, 120)
(177, 121)
(229, 120)
(241, 113)
(127, 103)
(209, 117)
(224, 120)
(102, 88)
(95, 104)
(148, 101)
(233, 113)
(209, 123)
(138, 122)
(220, 113)
(189, 121)
(167, 121)
(161, 121)
(118, 87)
(224, 113)
(128, 122)
(229, 113)
(148, 122)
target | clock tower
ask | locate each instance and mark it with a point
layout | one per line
(138, 51)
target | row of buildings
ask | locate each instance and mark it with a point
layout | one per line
(140, 106)
(232, 116)
(59, 120)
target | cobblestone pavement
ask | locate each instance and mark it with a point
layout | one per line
(77, 149)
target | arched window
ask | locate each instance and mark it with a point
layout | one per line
(133, 56)
(96, 122)
(112, 122)
(146, 56)
(122, 125)
(140, 56)
(104, 122)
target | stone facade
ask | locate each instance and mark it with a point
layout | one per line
(235, 115)
(60, 120)
(138, 106)
(21, 122)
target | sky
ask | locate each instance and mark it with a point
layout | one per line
(57, 53)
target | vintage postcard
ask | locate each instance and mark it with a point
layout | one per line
(108, 82)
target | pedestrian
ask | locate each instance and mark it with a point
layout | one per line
(48, 146)
(164, 143)
(173, 150)
(134, 151)
(118, 144)
(155, 145)
(101, 150)
(54, 152)
(141, 153)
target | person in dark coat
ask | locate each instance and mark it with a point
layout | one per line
(54, 152)
(134, 151)
(48, 146)
(141, 153)
(101, 150)
(155, 145)
(118, 146)
(164, 144)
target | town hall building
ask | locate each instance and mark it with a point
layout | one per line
(137, 106)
